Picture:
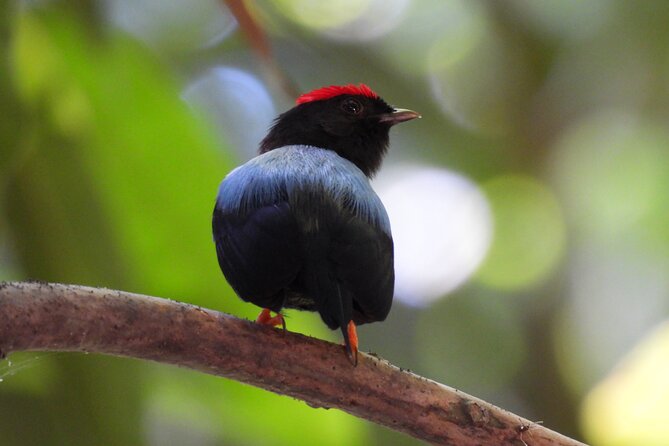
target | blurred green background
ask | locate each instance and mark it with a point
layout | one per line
(530, 205)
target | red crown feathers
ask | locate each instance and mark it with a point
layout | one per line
(336, 90)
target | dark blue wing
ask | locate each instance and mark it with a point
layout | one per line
(362, 259)
(258, 252)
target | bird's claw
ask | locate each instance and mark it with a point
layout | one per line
(352, 345)
(265, 318)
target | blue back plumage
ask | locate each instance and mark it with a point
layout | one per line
(275, 175)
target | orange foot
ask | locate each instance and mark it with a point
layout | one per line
(352, 345)
(265, 318)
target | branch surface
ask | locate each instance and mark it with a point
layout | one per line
(38, 316)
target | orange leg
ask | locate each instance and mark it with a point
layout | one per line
(265, 318)
(352, 347)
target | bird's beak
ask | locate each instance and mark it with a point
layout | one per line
(399, 115)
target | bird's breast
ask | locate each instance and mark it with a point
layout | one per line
(307, 178)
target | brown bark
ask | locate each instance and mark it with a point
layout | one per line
(53, 317)
(257, 38)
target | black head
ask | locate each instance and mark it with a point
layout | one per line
(350, 120)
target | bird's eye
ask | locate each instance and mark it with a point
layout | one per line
(352, 106)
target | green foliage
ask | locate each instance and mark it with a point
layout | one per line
(113, 185)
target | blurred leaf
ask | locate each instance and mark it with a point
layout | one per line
(610, 154)
(118, 183)
(529, 237)
(155, 170)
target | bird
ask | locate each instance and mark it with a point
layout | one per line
(299, 225)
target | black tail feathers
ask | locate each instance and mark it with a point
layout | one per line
(333, 301)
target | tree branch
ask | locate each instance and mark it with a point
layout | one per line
(41, 316)
(259, 43)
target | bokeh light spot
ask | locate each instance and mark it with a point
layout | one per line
(404, 50)
(348, 20)
(529, 235)
(474, 74)
(467, 27)
(441, 227)
(610, 168)
(380, 17)
(177, 25)
(237, 105)
(614, 292)
(322, 15)
(629, 407)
